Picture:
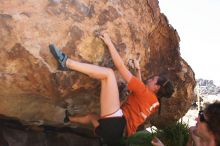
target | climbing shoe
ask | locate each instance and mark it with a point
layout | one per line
(66, 118)
(59, 56)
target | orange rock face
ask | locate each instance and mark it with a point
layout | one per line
(31, 87)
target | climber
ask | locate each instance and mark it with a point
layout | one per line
(113, 118)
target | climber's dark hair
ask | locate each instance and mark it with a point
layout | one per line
(166, 87)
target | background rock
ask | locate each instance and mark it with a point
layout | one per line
(31, 87)
(207, 87)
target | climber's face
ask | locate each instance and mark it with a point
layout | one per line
(152, 84)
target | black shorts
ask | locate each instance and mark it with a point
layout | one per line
(111, 129)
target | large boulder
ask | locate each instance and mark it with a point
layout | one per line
(14, 133)
(31, 87)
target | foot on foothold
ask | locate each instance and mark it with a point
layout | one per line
(59, 56)
(66, 118)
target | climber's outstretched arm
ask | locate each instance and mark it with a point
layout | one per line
(137, 66)
(126, 74)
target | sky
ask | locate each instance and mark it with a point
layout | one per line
(198, 25)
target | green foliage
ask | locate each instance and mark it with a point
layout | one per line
(176, 135)
(218, 142)
(141, 138)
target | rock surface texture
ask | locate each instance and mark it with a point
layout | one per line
(31, 87)
(14, 133)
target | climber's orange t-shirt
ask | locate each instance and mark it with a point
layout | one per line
(139, 105)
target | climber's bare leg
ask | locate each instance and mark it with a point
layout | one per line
(87, 119)
(109, 97)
